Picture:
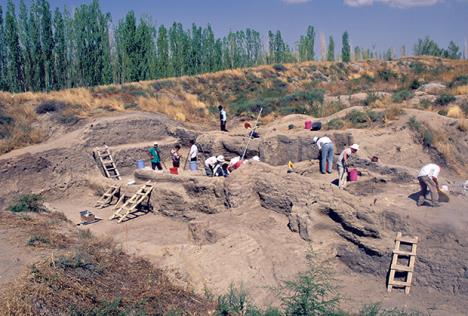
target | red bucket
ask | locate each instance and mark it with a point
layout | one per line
(308, 124)
(353, 175)
(174, 170)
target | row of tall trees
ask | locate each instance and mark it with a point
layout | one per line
(42, 50)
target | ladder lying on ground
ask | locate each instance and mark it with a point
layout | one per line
(106, 199)
(107, 162)
(403, 268)
(132, 203)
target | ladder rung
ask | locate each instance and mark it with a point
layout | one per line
(407, 240)
(399, 283)
(404, 253)
(402, 268)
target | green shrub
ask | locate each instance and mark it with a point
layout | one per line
(131, 106)
(335, 124)
(50, 106)
(138, 93)
(387, 75)
(377, 310)
(370, 99)
(445, 99)
(357, 118)
(5, 120)
(427, 138)
(402, 95)
(375, 116)
(414, 124)
(236, 302)
(36, 240)
(311, 292)
(253, 78)
(279, 67)
(418, 67)
(27, 203)
(425, 103)
(459, 81)
(443, 112)
(415, 84)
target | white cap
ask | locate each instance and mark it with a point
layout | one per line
(256, 158)
(220, 158)
(315, 139)
(355, 146)
(155, 144)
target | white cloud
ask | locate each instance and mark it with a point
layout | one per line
(295, 1)
(393, 3)
(359, 3)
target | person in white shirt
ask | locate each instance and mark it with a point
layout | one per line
(428, 181)
(343, 164)
(193, 156)
(325, 146)
(222, 118)
(214, 166)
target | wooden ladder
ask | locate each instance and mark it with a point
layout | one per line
(107, 162)
(407, 268)
(132, 203)
(106, 199)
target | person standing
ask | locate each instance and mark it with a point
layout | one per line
(428, 182)
(325, 146)
(193, 156)
(175, 155)
(222, 118)
(343, 164)
(155, 154)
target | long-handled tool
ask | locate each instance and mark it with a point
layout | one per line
(251, 134)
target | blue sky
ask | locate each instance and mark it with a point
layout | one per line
(383, 23)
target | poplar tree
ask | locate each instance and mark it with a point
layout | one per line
(15, 74)
(163, 53)
(346, 48)
(47, 43)
(37, 61)
(331, 49)
(3, 73)
(25, 43)
(60, 58)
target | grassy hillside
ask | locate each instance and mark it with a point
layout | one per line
(315, 88)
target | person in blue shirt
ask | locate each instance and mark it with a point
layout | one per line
(155, 154)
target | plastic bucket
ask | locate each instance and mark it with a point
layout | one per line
(308, 124)
(193, 165)
(140, 164)
(353, 175)
(174, 170)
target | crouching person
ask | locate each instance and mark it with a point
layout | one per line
(214, 166)
(429, 184)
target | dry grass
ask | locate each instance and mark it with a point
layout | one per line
(463, 125)
(189, 98)
(460, 90)
(85, 274)
(455, 112)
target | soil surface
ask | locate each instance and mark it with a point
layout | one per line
(256, 227)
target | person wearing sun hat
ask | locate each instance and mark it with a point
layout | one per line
(343, 164)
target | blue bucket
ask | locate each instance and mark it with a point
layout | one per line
(140, 164)
(193, 165)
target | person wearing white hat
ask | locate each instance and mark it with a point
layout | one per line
(155, 154)
(213, 166)
(325, 146)
(343, 164)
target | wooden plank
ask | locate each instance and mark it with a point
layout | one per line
(400, 283)
(404, 253)
(401, 268)
(408, 240)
